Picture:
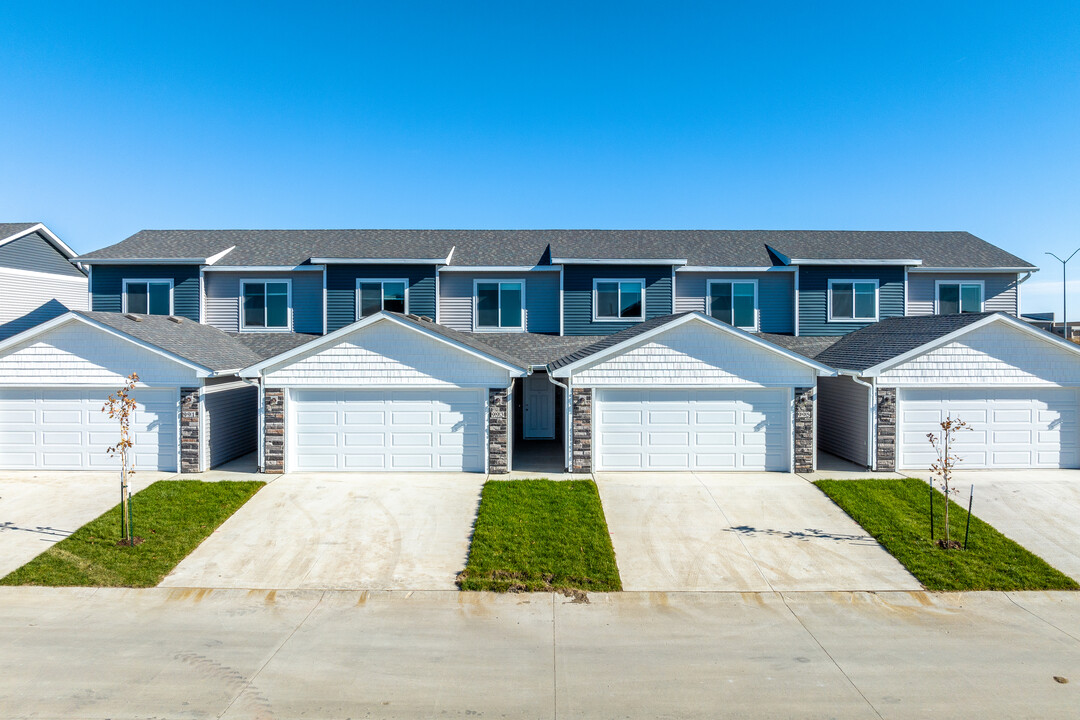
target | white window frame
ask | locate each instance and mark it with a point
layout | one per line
(757, 311)
(382, 290)
(961, 283)
(597, 318)
(288, 302)
(845, 281)
(476, 301)
(158, 281)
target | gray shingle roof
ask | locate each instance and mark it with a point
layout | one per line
(201, 344)
(718, 248)
(9, 229)
(608, 340)
(269, 344)
(537, 348)
(807, 346)
(890, 338)
(467, 339)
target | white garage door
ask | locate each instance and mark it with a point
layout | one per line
(64, 429)
(692, 430)
(1011, 428)
(387, 430)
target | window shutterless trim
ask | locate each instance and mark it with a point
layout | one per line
(288, 304)
(158, 281)
(708, 301)
(959, 298)
(853, 282)
(476, 305)
(382, 299)
(597, 318)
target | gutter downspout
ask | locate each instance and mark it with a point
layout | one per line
(1020, 281)
(568, 421)
(870, 426)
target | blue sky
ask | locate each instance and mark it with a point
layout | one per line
(920, 116)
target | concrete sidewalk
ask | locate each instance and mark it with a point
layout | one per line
(320, 654)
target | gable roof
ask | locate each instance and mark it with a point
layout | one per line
(934, 249)
(9, 232)
(537, 348)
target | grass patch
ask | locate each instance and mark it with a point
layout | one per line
(897, 514)
(172, 517)
(540, 535)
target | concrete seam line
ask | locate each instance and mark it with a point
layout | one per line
(554, 665)
(1040, 617)
(254, 675)
(829, 655)
(737, 535)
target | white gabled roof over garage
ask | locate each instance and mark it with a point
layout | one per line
(388, 349)
(688, 349)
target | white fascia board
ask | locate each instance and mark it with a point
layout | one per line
(257, 369)
(618, 261)
(265, 268)
(497, 268)
(49, 235)
(380, 261)
(974, 270)
(140, 261)
(214, 258)
(1028, 328)
(200, 370)
(734, 269)
(910, 262)
(568, 370)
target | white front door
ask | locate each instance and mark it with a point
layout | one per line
(539, 407)
(65, 429)
(399, 430)
(1010, 427)
(692, 429)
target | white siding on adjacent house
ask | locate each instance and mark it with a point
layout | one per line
(843, 420)
(990, 355)
(77, 354)
(541, 299)
(776, 296)
(999, 291)
(222, 291)
(21, 294)
(387, 354)
(693, 354)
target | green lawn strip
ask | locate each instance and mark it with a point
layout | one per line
(897, 514)
(172, 517)
(540, 535)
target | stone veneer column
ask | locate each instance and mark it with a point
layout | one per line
(498, 432)
(581, 433)
(803, 429)
(190, 446)
(886, 429)
(273, 430)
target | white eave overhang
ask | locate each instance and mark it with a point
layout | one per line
(498, 268)
(381, 261)
(968, 270)
(734, 268)
(617, 261)
(908, 262)
(154, 261)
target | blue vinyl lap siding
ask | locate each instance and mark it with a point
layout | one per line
(814, 291)
(107, 286)
(341, 289)
(578, 289)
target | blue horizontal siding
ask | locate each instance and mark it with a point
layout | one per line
(341, 289)
(107, 286)
(814, 291)
(34, 252)
(578, 288)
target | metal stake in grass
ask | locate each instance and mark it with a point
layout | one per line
(967, 524)
(931, 511)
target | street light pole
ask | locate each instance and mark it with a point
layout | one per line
(1064, 293)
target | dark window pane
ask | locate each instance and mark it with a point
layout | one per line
(607, 300)
(865, 300)
(630, 300)
(394, 297)
(487, 304)
(159, 298)
(948, 299)
(254, 305)
(843, 302)
(510, 305)
(971, 298)
(277, 305)
(136, 298)
(720, 301)
(370, 298)
(743, 305)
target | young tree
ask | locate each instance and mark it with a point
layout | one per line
(121, 407)
(945, 464)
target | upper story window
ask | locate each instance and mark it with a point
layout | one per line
(500, 305)
(265, 305)
(734, 302)
(853, 300)
(148, 297)
(954, 298)
(373, 296)
(618, 300)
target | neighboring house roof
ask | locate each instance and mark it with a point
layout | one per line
(11, 232)
(9, 229)
(537, 348)
(893, 337)
(527, 248)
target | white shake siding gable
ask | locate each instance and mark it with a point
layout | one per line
(694, 355)
(541, 299)
(989, 355)
(75, 354)
(386, 354)
(999, 291)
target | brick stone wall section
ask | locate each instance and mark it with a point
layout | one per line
(886, 429)
(498, 431)
(190, 447)
(273, 430)
(803, 429)
(581, 434)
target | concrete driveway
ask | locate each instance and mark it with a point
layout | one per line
(346, 531)
(39, 509)
(739, 532)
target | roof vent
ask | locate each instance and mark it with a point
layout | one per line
(132, 316)
(425, 318)
(412, 316)
(176, 319)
